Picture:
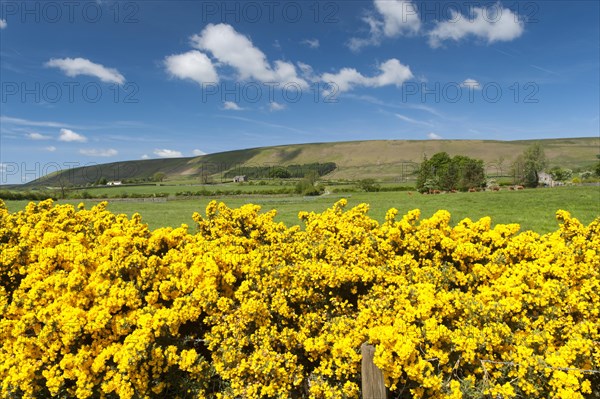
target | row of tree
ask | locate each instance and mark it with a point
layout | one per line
(282, 172)
(443, 172)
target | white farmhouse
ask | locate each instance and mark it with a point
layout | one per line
(545, 179)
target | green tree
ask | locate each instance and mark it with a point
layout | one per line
(432, 169)
(586, 174)
(424, 173)
(534, 161)
(430, 185)
(561, 174)
(280, 173)
(443, 172)
(471, 173)
(308, 185)
(159, 176)
(449, 174)
(368, 185)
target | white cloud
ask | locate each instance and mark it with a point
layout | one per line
(312, 43)
(399, 17)
(99, 152)
(307, 72)
(145, 156)
(392, 73)
(193, 65)
(396, 17)
(273, 106)
(471, 84)
(198, 153)
(433, 136)
(492, 24)
(237, 51)
(50, 148)
(73, 67)
(25, 122)
(268, 124)
(38, 136)
(539, 68)
(345, 79)
(356, 44)
(413, 121)
(70, 136)
(231, 106)
(3, 24)
(165, 153)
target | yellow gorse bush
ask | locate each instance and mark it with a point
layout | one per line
(95, 305)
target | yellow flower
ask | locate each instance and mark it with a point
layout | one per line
(94, 304)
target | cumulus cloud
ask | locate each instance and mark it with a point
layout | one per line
(73, 67)
(94, 152)
(274, 106)
(492, 24)
(471, 84)
(145, 156)
(395, 18)
(231, 106)
(392, 73)
(3, 24)
(68, 135)
(198, 153)
(165, 153)
(193, 65)
(232, 48)
(433, 136)
(312, 43)
(345, 79)
(399, 17)
(37, 136)
(50, 148)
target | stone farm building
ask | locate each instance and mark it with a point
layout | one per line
(545, 179)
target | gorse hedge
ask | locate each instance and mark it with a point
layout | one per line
(95, 305)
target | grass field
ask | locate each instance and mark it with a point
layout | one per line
(172, 188)
(532, 209)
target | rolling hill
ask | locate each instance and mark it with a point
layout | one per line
(381, 159)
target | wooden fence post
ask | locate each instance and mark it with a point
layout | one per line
(373, 384)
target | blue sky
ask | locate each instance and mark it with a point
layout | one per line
(87, 82)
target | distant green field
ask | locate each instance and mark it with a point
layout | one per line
(383, 160)
(532, 209)
(172, 189)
